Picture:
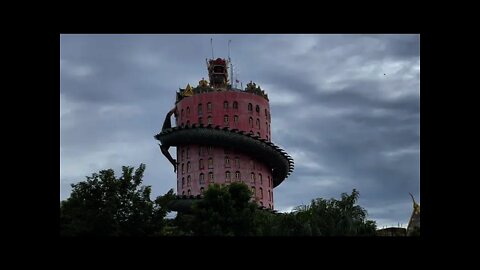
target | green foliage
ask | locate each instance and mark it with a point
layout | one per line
(224, 210)
(104, 205)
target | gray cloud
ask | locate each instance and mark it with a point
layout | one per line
(346, 107)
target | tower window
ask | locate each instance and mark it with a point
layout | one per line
(227, 176)
(225, 120)
(210, 177)
(210, 163)
(183, 182)
(235, 105)
(227, 162)
(258, 123)
(202, 179)
(200, 121)
(237, 176)
(235, 119)
(250, 122)
(257, 109)
(200, 164)
(188, 167)
(188, 152)
(252, 176)
(269, 196)
(182, 115)
(209, 107)
(188, 111)
(253, 191)
(200, 108)
(260, 178)
(237, 162)
(209, 120)
(266, 113)
(183, 168)
(225, 104)
(189, 192)
(189, 181)
(261, 193)
(250, 107)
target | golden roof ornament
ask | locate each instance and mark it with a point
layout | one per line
(188, 91)
(203, 83)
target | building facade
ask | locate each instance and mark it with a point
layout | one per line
(223, 135)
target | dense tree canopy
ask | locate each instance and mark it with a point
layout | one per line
(104, 205)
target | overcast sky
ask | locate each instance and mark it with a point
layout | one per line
(345, 107)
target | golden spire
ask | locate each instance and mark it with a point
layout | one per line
(188, 91)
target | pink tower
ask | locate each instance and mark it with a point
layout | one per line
(223, 135)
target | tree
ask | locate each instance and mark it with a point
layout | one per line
(224, 210)
(104, 205)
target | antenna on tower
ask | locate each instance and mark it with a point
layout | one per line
(231, 65)
(211, 45)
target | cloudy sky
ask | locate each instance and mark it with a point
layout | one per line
(345, 107)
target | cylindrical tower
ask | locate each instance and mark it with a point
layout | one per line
(223, 135)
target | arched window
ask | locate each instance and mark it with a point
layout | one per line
(260, 178)
(188, 152)
(189, 192)
(227, 162)
(183, 168)
(225, 120)
(235, 105)
(257, 109)
(183, 182)
(183, 192)
(250, 122)
(210, 177)
(202, 189)
(258, 123)
(269, 195)
(237, 162)
(266, 113)
(188, 112)
(258, 133)
(261, 203)
(209, 107)
(188, 122)
(210, 163)
(202, 179)
(261, 193)
(254, 192)
(189, 181)
(250, 107)
(200, 164)
(209, 120)
(237, 176)
(188, 167)
(200, 121)
(182, 115)
(225, 104)
(227, 176)
(235, 119)
(200, 109)
(252, 178)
